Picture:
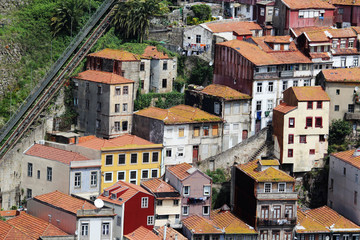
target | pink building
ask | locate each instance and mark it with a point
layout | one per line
(347, 13)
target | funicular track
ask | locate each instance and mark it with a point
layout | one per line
(55, 78)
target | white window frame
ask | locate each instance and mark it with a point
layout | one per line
(180, 152)
(77, 180)
(157, 172)
(188, 190)
(112, 177)
(93, 178)
(216, 108)
(150, 220)
(203, 210)
(133, 179)
(267, 184)
(144, 202)
(112, 159)
(105, 231)
(185, 213)
(148, 173)
(83, 230)
(282, 184)
(117, 176)
(143, 158)
(207, 190)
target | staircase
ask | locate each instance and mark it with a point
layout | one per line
(55, 78)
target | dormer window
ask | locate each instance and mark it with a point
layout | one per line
(276, 47)
(106, 193)
(286, 47)
(267, 187)
(113, 196)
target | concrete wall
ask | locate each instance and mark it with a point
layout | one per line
(168, 208)
(85, 190)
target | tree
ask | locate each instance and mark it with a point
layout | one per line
(202, 11)
(338, 131)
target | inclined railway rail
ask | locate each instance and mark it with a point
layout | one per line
(54, 80)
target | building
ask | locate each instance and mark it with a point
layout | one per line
(194, 188)
(127, 158)
(104, 102)
(142, 233)
(72, 215)
(133, 206)
(227, 103)
(188, 134)
(264, 197)
(170, 233)
(347, 13)
(222, 225)
(342, 86)
(344, 184)
(301, 126)
(324, 223)
(47, 169)
(167, 202)
(262, 69)
(307, 13)
(264, 11)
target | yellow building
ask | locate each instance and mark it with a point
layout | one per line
(127, 158)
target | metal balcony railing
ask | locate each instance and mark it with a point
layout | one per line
(276, 221)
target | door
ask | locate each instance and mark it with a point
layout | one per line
(195, 153)
(244, 134)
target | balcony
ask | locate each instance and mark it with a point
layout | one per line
(286, 74)
(266, 75)
(289, 195)
(352, 116)
(276, 221)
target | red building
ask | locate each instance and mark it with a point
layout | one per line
(133, 205)
(305, 13)
(347, 13)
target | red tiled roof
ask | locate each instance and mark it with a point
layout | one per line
(179, 114)
(171, 234)
(152, 52)
(284, 108)
(308, 4)
(300, 30)
(356, 29)
(241, 27)
(64, 201)
(341, 32)
(115, 54)
(224, 92)
(322, 55)
(307, 224)
(346, 2)
(157, 185)
(142, 233)
(342, 75)
(102, 77)
(231, 224)
(309, 93)
(180, 170)
(9, 232)
(200, 225)
(35, 227)
(8, 213)
(55, 154)
(348, 157)
(268, 175)
(124, 140)
(345, 51)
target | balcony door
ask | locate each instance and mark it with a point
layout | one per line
(265, 212)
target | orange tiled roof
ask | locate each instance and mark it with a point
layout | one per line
(63, 201)
(152, 52)
(342, 75)
(346, 2)
(284, 108)
(317, 36)
(308, 4)
(9, 232)
(231, 224)
(307, 224)
(9, 213)
(332, 220)
(345, 51)
(348, 157)
(142, 233)
(322, 55)
(181, 170)
(179, 114)
(35, 227)
(200, 225)
(102, 77)
(341, 32)
(122, 141)
(55, 154)
(241, 27)
(309, 93)
(268, 175)
(224, 92)
(260, 57)
(269, 162)
(356, 29)
(298, 31)
(171, 234)
(115, 54)
(157, 185)
(263, 43)
(324, 34)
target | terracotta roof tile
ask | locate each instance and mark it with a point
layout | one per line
(341, 32)
(342, 75)
(171, 234)
(300, 30)
(179, 114)
(308, 4)
(346, 2)
(9, 213)
(157, 185)
(231, 224)
(126, 140)
(284, 108)
(268, 175)
(332, 220)
(345, 51)
(348, 157)
(142, 233)
(224, 92)
(309, 93)
(35, 227)
(181, 170)
(241, 27)
(356, 29)
(200, 225)
(102, 77)
(55, 154)
(152, 52)
(307, 224)
(64, 201)
(115, 54)
(269, 162)
(322, 55)
(9, 232)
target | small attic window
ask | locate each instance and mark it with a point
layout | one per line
(120, 199)
(286, 47)
(113, 196)
(106, 193)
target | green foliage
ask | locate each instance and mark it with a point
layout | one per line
(202, 12)
(164, 100)
(218, 176)
(338, 131)
(13, 207)
(214, 197)
(201, 72)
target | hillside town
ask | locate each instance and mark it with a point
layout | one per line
(266, 147)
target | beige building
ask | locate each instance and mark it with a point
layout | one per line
(104, 102)
(301, 126)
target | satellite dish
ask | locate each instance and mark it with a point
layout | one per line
(99, 203)
(356, 88)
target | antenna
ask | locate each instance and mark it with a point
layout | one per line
(99, 203)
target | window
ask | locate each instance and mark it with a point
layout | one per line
(271, 87)
(285, 85)
(118, 220)
(281, 187)
(215, 130)
(258, 105)
(142, 66)
(207, 190)
(310, 105)
(133, 176)
(154, 173)
(186, 190)
(264, 212)
(121, 175)
(340, 11)
(155, 157)
(133, 158)
(344, 171)
(125, 107)
(301, 14)
(267, 187)
(355, 197)
(117, 91)
(269, 104)
(236, 108)
(185, 210)
(270, 12)
(98, 123)
(290, 153)
(331, 184)
(117, 108)
(321, 138)
(206, 130)
(291, 122)
(291, 139)
(312, 151)
(343, 61)
(334, 44)
(108, 177)
(105, 229)
(159, 202)
(337, 91)
(181, 132)
(343, 44)
(99, 90)
(164, 83)
(150, 220)
(144, 202)
(259, 87)
(318, 122)
(165, 65)
(227, 108)
(262, 11)
(121, 160)
(264, 233)
(93, 179)
(144, 174)
(38, 174)
(30, 170)
(351, 44)
(198, 38)
(109, 160)
(117, 126)
(356, 61)
(206, 210)
(125, 90)
(216, 108)
(146, 158)
(98, 106)
(307, 82)
(351, 108)
(302, 138)
(319, 105)
(77, 181)
(277, 211)
(49, 174)
(84, 229)
(76, 101)
(308, 122)
(28, 193)
(125, 125)
(288, 211)
(168, 152)
(288, 235)
(176, 202)
(336, 108)
(180, 152)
